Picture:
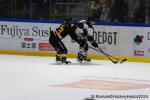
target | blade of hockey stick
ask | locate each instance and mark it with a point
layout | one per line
(123, 60)
(115, 62)
(108, 56)
(120, 61)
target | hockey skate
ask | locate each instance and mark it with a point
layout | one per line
(58, 59)
(82, 58)
(62, 60)
(86, 59)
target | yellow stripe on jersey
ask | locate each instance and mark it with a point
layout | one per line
(59, 31)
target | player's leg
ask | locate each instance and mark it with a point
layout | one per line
(82, 54)
(53, 42)
(81, 50)
(62, 52)
(60, 48)
(85, 55)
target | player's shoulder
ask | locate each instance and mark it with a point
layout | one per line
(79, 24)
(63, 25)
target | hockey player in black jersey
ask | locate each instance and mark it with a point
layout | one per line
(85, 31)
(55, 40)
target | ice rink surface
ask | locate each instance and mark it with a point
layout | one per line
(40, 78)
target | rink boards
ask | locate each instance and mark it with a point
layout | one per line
(30, 37)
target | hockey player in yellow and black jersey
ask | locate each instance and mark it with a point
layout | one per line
(55, 40)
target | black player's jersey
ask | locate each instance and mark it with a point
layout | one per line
(63, 30)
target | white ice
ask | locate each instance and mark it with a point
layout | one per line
(33, 77)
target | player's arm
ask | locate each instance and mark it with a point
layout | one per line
(90, 35)
(74, 36)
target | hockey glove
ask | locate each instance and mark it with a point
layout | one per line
(94, 44)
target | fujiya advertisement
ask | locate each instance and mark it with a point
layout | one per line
(25, 36)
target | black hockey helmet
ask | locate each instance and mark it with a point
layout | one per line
(90, 20)
(68, 20)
